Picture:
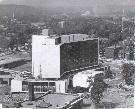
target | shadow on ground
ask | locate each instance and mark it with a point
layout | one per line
(108, 105)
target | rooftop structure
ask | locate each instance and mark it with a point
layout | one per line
(47, 32)
(38, 24)
(61, 24)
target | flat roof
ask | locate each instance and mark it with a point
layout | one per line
(54, 99)
(87, 73)
(69, 38)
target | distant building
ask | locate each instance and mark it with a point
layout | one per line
(62, 24)
(112, 52)
(86, 13)
(5, 77)
(38, 24)
(47, 32)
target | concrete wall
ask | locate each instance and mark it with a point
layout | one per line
(50, 41)
(61, 86)
(50, 61)
(45, 57)
(37, 42)
(16, 85)
(73, 38)
(65, 38)
(47, 32)
(81, 81)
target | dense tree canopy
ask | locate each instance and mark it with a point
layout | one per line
(128, 73)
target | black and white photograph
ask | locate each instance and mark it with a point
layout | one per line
(67, 54)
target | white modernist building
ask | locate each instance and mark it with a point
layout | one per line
(52, 56)
(45, 57)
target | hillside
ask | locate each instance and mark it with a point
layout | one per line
(19, 10)
(23, 10)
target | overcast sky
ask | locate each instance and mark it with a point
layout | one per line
(66, 2)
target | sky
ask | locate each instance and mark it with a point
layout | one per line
(66, 2)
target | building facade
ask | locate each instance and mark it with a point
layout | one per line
(59, 86)
(53, 56)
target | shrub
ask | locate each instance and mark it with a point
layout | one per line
(5, 90)
(97, 90)
(108, 73)
(127, 73)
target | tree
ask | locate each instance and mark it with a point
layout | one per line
(108, 72)
(103, 43)
(13, 42)
(127, 73)
(97, 90)
(131, 51)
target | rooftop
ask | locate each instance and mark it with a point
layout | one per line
(59, 40)
(53, 99)
(87, 73)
